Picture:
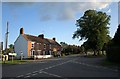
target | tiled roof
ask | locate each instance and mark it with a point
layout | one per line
(39, 40)
(52, 41)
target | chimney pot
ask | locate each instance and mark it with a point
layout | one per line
(21, 31)
(41, 36)
(54, 39)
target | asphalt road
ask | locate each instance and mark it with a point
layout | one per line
(72, 66)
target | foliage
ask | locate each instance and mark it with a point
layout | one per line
(10, 49)
(92, 26)
(70, 49)
(116, 38)
(113, 47)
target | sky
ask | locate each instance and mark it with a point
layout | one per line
(53, 19)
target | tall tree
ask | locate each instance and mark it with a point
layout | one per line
(113, 47)
(93, 27)
(116, 38)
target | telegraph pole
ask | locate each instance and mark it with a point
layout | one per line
(6, 43)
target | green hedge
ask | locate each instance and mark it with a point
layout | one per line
(113, 53)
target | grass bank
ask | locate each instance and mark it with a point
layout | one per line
(14, 62)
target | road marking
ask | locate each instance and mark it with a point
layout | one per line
(41, 70)
(28, 73)
(34, 74)
(20, 76)
(50, 74)
(27, 76)
(115, 70)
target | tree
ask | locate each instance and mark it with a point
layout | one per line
(116, 38)
(113, 47)
(63, 44)
(11, 48)
(93, 27)
(106, 43)
(70, 49)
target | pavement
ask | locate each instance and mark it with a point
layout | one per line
(66, 67)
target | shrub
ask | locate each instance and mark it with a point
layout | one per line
(113, 53)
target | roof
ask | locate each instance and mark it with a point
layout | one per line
(39, 40)
(52, 42)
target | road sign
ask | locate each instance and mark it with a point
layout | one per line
(12, 54)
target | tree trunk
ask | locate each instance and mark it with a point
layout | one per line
(94, 52)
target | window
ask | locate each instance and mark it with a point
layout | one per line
(32, 45)
(39, 52)
(50, 46)
(50, 52)
(47, 53)
(44, 46)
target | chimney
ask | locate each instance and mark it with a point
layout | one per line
(41, 36)
(54, 39)
(21, 31)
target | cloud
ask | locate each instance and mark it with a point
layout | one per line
(59, 0)
(109, 11)
(61, 10)
(68, 11)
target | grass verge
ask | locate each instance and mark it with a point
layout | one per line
(14, 62)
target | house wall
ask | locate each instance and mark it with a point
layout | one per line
(21, 44)
(29, 48)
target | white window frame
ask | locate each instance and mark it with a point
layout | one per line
(32, 52)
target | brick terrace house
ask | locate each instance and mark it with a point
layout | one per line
(36, 46)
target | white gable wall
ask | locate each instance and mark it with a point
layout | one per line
(21, 44)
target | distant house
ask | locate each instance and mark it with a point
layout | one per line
(31, 46)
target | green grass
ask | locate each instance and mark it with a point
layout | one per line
(14, 62)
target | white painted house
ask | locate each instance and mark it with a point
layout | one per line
(36, 46)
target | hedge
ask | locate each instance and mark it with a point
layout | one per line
(113, 53)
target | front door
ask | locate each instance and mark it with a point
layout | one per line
(32, 53)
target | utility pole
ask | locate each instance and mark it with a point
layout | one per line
(6, 38)
(6, 41)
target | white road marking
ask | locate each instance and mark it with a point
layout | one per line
(41, 70)
(95, 66)
(34, 74)
(27, 76)
(28, 73)
(51, 74)
(20, 76)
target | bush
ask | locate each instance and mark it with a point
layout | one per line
(113, 53)
(113, 48)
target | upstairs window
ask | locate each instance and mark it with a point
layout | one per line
(44, 46)
(32, 45)
(50, 46)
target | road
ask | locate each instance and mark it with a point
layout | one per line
(65, 67)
